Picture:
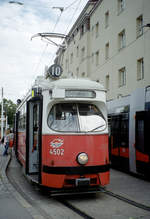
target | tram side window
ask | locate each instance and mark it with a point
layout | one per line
(35, 126)
(115, 129)
(35, 118)
(140, 135)
(120, 130)
(22, 122)
(124, 131)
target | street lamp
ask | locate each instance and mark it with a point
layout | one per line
(15, 2)
(60, 8)
(146, 25)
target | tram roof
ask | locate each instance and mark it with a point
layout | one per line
(71, 83)
(78, 84)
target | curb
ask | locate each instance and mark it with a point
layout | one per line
(31, 210)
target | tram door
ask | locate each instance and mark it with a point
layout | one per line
(142, 142)
(120, 141)
(33, 137)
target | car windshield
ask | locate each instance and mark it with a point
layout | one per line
(76, 117)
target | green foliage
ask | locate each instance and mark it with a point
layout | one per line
(9, 110)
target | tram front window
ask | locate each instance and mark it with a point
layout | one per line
(91, 119)
(63, 118)
(75, 117)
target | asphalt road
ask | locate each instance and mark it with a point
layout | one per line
(95, 206)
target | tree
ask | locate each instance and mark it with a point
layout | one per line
(9, 110)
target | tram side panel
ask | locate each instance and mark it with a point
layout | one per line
(59, 159)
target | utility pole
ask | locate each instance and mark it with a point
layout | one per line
(2, 114)
(6, 126)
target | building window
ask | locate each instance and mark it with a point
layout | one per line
(140, 69)
(97, 30)
(83, 74)
(122, 77)
(107, 81)
(77, 72)
(82, 53)
(66, 64)
(77, 54)
(92, 57)
(71, 58)
(139, 26)
(92, 30)
(106, 19)
(97, 58)
(88, 24)
(121, 6)
(122, 39)
(107, 51)
(82, 30)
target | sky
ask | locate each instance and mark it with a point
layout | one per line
(23, 59)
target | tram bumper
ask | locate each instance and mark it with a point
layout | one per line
(75, 191)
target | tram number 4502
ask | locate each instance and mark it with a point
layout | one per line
(57, 151)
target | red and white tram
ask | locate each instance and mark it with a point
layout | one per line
(62, 134)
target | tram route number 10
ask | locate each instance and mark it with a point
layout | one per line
(57, 151)
(55, 70)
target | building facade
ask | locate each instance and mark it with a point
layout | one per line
(109, 43)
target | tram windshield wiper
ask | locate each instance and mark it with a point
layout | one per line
(96, 128)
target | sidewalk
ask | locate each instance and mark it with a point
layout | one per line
(12, 205)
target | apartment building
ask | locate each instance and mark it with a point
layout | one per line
(110, 43)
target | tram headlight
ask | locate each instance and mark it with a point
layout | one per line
(82, 158)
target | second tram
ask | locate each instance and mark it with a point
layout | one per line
(129, 119)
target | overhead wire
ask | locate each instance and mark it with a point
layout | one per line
(44, 50)
(70, 5)
(72, 15)
(57, 21)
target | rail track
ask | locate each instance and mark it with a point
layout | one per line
(63, 201)
(75, 209)
(40, 210)
(70, 206)
(129, 201)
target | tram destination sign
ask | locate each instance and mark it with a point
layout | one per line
(55, 71)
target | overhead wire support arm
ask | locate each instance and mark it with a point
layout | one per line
(54, 43)
(52, 35)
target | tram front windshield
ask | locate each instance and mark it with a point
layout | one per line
(76, 117)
